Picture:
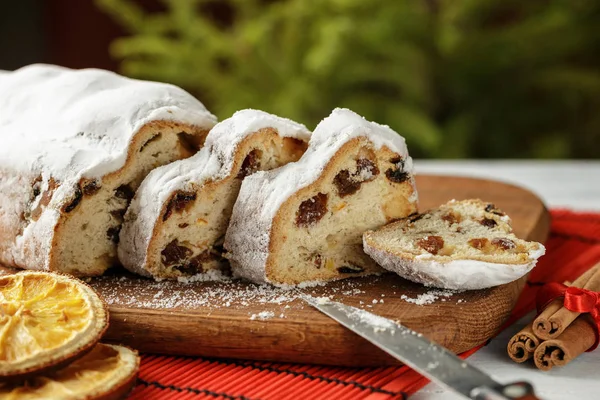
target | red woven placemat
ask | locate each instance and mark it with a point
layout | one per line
(573, 247)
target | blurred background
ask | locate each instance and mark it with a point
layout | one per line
(457, 78)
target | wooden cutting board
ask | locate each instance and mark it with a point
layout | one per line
(240, 320)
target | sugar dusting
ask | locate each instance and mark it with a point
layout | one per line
(195, 293)
(273, 302)
(431, 296)
(214, 275)
(263, 315)
(378, 323)
(190, 294)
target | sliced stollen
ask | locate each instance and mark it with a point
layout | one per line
(74, 146)
(176, 223)
(303, 223)
(465, 244)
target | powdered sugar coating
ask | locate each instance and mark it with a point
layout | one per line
(263, 193)
(213, 162)
(453, 274)
(70, 124)
(78, 123)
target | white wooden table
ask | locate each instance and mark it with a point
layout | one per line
(566, 184)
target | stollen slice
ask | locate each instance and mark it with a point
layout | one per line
(47, 320)
(108, 372)
(176, 223)
(302, 224)
(466, 244)
(74, 147)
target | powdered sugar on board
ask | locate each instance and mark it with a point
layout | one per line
(431, 297)
(273, 302)
(127, 292)
(263, 315)
(378, 323)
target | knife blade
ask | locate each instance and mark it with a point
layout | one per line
(428, 358)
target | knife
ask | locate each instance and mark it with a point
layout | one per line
(428, 358)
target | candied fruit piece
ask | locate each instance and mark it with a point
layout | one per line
(431, 244)
(504, 243)
(179, 202)
(478, 243)
(366, 169)
(491, 208)
(174, 253)
(451, 218)
(119, 213)
(194, 265)
(488, 222)
(397, 174)
(311, 210)
(74, 202)
(345, 184)
(316, 259)
(90, 188)
(250, 164)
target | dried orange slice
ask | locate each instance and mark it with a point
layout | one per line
(46, 321)
(107, 372)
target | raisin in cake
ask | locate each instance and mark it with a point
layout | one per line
(177, 220)
(465, 244)
(74, 146)
(303, 223)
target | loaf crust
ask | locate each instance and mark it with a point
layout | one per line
(177, 220)
(74, 146)
(466, 244)
(302, 224)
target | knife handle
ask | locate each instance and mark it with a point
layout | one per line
(511, 391)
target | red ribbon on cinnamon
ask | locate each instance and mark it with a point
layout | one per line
(574, 299)
(567, 324)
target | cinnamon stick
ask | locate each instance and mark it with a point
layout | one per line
(574, 340)
(522, 345)
(554, 319)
